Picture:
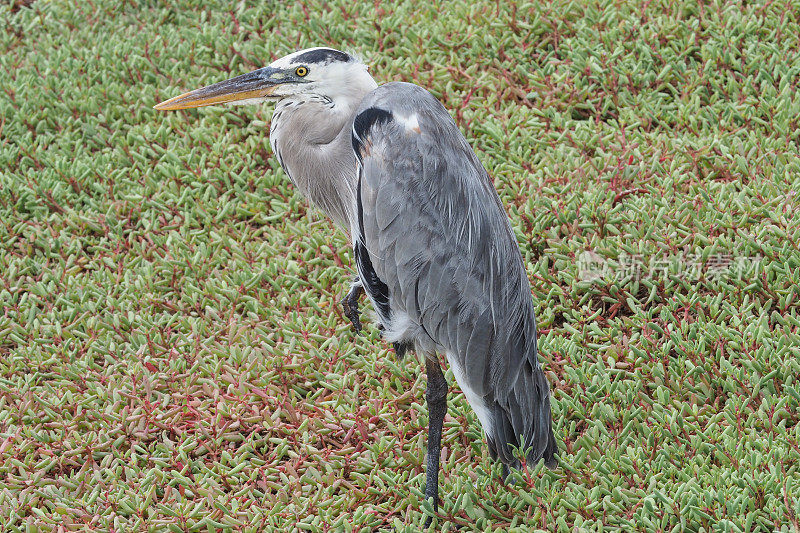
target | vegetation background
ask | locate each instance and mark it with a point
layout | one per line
(172, 354)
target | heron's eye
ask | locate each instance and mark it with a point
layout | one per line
(301, 71)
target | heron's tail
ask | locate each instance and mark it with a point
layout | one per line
(524, 412)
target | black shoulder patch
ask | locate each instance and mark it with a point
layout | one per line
(369, 117)
(362, 124)
(323, 55)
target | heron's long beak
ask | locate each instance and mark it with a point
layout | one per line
(257, 84)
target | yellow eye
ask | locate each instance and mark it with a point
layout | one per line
(301, 71)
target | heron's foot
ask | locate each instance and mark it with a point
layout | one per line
(350, 307)
(435, 501)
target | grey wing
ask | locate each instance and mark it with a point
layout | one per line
(440, 261)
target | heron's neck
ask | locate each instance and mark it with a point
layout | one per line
(311, 139)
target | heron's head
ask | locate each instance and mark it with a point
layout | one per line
(322, 74)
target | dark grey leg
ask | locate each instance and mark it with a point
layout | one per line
(350, 304)
(436, 396)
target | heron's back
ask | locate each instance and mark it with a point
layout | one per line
(448, 274)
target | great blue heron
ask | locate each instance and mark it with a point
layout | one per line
(434, 249)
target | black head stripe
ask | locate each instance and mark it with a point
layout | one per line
(322, 55)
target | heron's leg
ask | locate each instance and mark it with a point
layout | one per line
(436, 396)
(350, 304)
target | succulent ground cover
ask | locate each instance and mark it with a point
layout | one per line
(172, 353)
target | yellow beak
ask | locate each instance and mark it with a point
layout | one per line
(257, 84)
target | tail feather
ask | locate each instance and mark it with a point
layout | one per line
(522, 419)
